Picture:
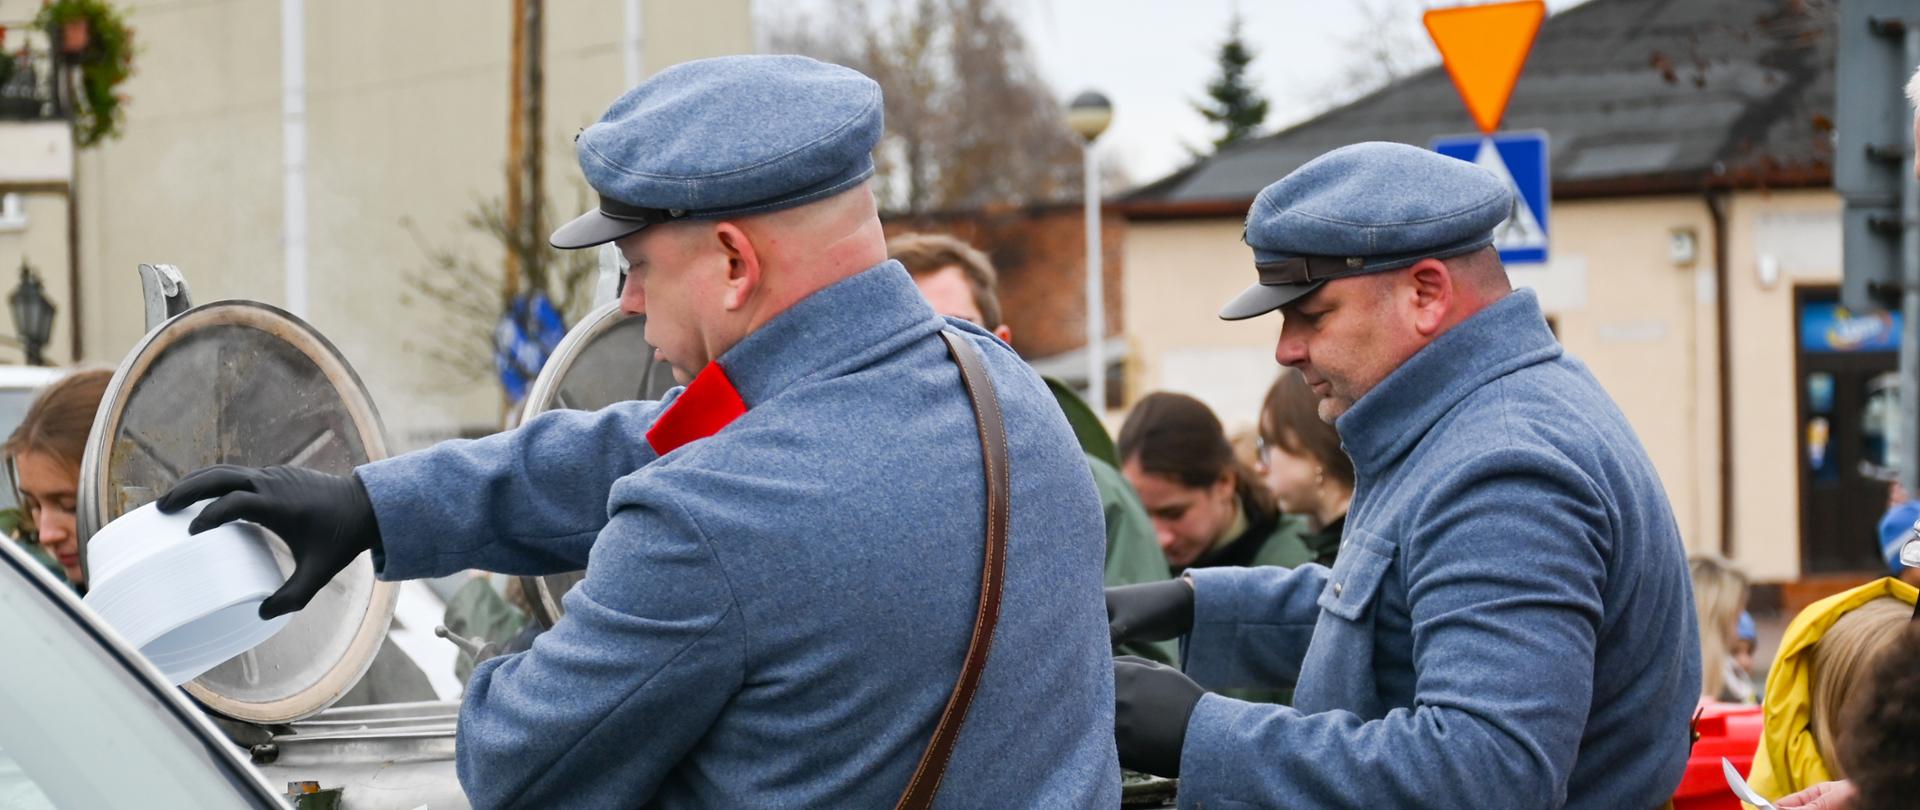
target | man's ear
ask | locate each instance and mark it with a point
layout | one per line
(743, 265)
(1432, 287)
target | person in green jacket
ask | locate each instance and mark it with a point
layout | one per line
(1208, 508)
(960, 282)
(1304, 465)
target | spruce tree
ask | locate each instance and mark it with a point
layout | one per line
(1232, 101)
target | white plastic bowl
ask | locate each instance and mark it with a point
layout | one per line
(187, 603)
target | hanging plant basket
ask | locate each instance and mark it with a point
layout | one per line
(74, 37)
(94, 36)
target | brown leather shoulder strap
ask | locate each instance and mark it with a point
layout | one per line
(993, 448)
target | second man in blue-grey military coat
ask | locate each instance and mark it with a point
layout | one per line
(783, 558)
(1509, 624)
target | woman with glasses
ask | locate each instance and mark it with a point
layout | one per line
(1208, 508)
(43, 455)
(1304, 465)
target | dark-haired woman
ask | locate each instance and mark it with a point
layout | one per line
(1304, 465)
(1208, 508)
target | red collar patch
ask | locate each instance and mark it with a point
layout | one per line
(709, 404)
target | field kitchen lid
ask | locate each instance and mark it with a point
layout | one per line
(239, 382)
(603, 360)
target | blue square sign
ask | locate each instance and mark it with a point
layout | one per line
(1520, 159)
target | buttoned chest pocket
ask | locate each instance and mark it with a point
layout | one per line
(1354, 585)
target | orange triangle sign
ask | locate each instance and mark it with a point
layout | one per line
(1484, 48)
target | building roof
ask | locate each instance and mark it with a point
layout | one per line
(1637, 97)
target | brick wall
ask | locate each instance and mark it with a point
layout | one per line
(1040, 253)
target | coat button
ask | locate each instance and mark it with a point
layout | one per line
(1337, 588)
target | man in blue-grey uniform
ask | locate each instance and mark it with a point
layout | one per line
(784, 557)
(1509, 624)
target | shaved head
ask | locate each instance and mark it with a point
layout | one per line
(705, 284)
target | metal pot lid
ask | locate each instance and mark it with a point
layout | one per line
(239, 382)
(603, 360)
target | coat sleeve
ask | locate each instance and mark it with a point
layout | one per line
(529, 501)
(1251, 626)
(602, 706)
(1133, 555)
(1504, 588)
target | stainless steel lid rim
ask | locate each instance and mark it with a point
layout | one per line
(336, 393)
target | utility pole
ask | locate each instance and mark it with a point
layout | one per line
(532, 160)
(526, 173)
(513, 207)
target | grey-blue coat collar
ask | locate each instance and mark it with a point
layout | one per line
(1389, 420)
(827, 328)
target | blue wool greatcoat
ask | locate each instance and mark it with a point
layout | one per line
(1509, 624)
(774, 616)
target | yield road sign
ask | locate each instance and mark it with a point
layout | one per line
(1484, 48)
(1519, 159)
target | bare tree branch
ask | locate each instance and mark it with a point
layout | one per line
(970, 123)
(466, 290)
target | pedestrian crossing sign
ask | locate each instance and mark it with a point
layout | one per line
(1519, 159)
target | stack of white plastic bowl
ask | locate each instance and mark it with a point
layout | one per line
(187, 603)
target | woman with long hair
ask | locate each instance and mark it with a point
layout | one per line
(1719, 595)
(44, 454)
(1304, 465)
(1208, 508)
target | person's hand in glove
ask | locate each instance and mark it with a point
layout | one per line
(1151, 705)
(326, 520)
(1150, 611)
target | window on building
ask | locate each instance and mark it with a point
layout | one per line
(13, 212)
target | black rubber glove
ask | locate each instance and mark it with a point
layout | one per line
(326, 520)
(1150, 611)
(1152, 703)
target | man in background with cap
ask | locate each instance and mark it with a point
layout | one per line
(783, 558)
(1509, 623)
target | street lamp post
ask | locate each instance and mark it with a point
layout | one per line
(32, 315)
(1089, 114)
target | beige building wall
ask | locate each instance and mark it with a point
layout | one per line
(1776, 242)
(406, 134)
(1176, 274)
(1638, 313)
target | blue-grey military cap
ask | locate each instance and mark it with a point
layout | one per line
(724, 137)
(1360, 209)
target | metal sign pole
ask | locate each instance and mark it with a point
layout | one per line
(1096, 296)
(1909, 459)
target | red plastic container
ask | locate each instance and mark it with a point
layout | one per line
(1726, 730)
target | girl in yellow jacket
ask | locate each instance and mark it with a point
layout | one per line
(1825, 651)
